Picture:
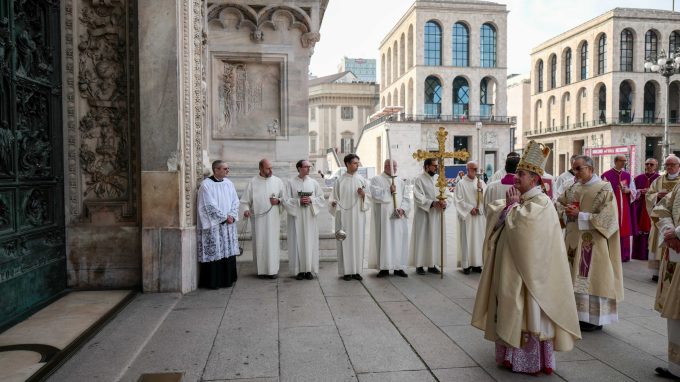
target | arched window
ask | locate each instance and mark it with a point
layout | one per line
(567, 66)
(402, 54)
(584, 61)
(649, 112)
(674, 42)
(651, 45)
(553, 72)
(433, 44)
(433, 96)
(461, 45)
(487, 46)
(388, 69)
(625, 102)
(602, 55)
(539, 75)
(602, 104)
(410, 46)
(461, 97)
(485, 106)
(626, 50)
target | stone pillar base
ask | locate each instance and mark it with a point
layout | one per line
(169, 260)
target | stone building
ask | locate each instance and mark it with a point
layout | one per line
(591, 93)
(444, 63)
(519, 106)
(339, 105)
(111, 111)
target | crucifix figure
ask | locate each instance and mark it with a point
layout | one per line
(440, 155)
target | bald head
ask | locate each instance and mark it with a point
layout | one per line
(472, 168)
(387, 167)
(265, 168)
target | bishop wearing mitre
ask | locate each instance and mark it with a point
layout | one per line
(525, 300)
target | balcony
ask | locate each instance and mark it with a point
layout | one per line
(439, 118)
(622, 120)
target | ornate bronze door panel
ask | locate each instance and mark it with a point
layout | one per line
(32, 254)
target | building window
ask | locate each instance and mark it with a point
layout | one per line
(583, 117)
(312, 114)
(488, 46)
(567, 66)
(674, 42)
(625, 102)
(461, 45)
(461, 97)
(540, 76)
(433, 44)
(651, 46)
(485, 108)
(346, 145)
(602, 104)
(567, 123)
(602, 55)
(347, 113)
(650, 103)
(433, 97)
(460, 143)
(553, 72)
(312, 142)
(626, 50)
(584, 61)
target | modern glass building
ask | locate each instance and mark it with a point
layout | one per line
(363, 68)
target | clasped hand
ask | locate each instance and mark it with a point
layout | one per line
(512, 196)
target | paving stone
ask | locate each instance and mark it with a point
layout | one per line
(381, 288)
(193, 331)
(314, 354)
(397, 376)
(110, 351)
(468, 304)
(574, 354)
(205, 299)
(433, 304)
(627, 310)
(459, 374)
(372, 342)
(333, 286)
(451, 287)
(245, 352)
(654, 323)
(588, 371)
(302, 304)
(639, 337)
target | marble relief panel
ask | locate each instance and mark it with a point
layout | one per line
(247, 98)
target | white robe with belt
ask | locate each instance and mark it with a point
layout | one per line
(350, 216)
(472, 228)
(303, 229)
(425, 246)
(389, 237)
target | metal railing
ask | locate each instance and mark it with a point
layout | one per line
(436, 118)
(623, 120)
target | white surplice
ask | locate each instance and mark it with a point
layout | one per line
(265, 221)
(388, 248)
(472, 228)
(425, 245)
(350, 216)
(303, 229)
(216, 201)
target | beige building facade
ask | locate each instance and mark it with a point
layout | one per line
(590, 90)
(444, 64)
(519, 106)
(339, 106)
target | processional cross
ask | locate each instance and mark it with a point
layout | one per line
(440, 155)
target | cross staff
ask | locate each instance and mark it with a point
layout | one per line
(440, 155)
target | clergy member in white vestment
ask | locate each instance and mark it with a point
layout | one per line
(469, 199)
(388, 249)
(496, 190)
(425, 246)
(498, 175)
(348, 204)
(525, 301)
(562, 181)
(303, 201)
(262, 205)
(217, 205)
(668, 290)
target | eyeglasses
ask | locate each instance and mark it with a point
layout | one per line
(651, 164)
(670, 164)
(579, 168)
(305, 166)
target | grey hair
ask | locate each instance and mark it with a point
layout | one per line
(586, 159)
(217, 163)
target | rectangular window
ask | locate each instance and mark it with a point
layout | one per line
(461, 143)
(312, 143)
(347, 113)
(312, 114)
(346, 145)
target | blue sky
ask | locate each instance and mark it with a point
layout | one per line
(354, 28)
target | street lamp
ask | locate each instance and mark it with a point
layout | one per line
(666, 65)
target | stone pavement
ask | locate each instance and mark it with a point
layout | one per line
(391, 329)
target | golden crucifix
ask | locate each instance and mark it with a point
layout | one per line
(440, 155)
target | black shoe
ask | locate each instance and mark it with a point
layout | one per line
(434, 270)
(420, 271)
(385, 273)
(300, 276)
(309, 276)
(262, 276)
(467, 270)
(477, 269)
(400, 273)
(588, 327)
(347, 277)
(655, 279)
(272, 277)
(357, 277)
(665, 373)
